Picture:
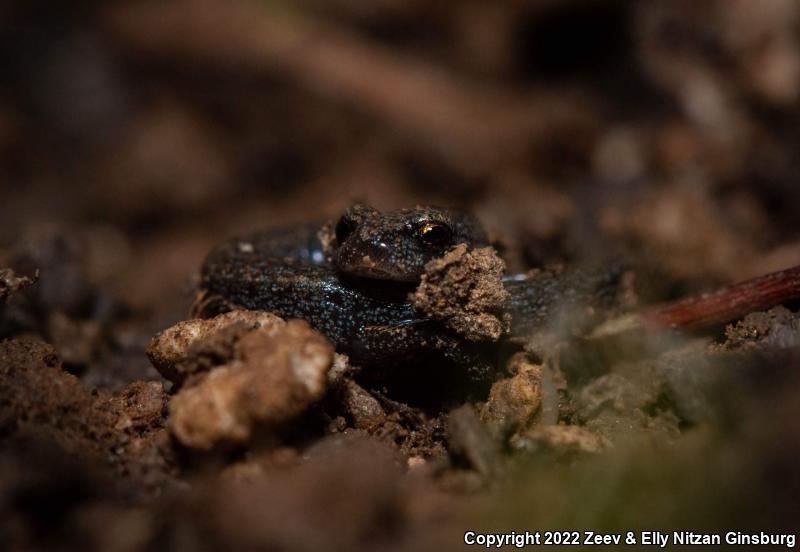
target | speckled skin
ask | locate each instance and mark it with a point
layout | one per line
(355, 291)
(388, 246)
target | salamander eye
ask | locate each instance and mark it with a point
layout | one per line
(344, 228)
(434, 233)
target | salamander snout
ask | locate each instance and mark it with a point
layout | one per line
(382, 254)
(396, 245)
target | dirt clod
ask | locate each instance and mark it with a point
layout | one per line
(464, 290)
(170, 349)
(124, 431)
(364, 410)
(513, 402)
(275, 374)
(778, 327)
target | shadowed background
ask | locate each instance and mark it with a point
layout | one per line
(157, 129)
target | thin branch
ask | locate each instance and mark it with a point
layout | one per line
(728, 303)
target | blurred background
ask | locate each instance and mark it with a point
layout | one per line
(148, 131)
(135, 135)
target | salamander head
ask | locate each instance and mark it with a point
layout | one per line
(397, 245)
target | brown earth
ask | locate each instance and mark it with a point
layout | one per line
(134, 136)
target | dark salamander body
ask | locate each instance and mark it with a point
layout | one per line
(355, 291)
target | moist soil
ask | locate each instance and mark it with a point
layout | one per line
(136, 136)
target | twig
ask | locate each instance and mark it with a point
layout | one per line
(709, 310)
(728, 303)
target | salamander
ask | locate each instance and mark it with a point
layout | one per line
(351, 281)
